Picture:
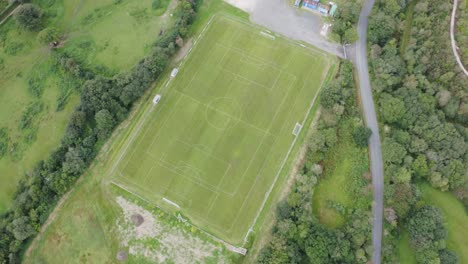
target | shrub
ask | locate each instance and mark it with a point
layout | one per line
(156, 4)
(48, 35)
(361, 136)
(29, 17)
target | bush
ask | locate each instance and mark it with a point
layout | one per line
(156, 4)
(3, 142)
(361, 136)
(29, 17)
(48, 35)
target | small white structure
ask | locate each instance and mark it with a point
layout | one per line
(297, 129)
(174, 72)
(156, 99)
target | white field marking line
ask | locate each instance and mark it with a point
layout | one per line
(267, 35)
(247, 235)
(173, 112)
(271, 123)
(267, 195)
(269, 154)
(171, 203)
(148, 128)
(226, 114)
(286, 40)
(247, 56)
(250, 55)
(246, 169)
(195, 180)
(230, 247)
(292, 144)
(314, 50)
(211, 156)
(132, 137)
(247, 80)
(195, 44)
(196, 74)
(159, 194)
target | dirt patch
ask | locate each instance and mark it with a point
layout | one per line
(160, 242)
(183, 51)
(137, 219)
(121, 256)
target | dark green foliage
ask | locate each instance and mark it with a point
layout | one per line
(361, 136)
(105, 102)
(30, 113)
(421, 93)
(427, 234)
(48, 35)
(345, 19)
(4, 139)
(156, 4)
(13, 47)
(104, 123)
(297, 236)
(29, 16)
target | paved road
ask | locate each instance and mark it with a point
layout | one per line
(298, 24)
(452, 38)
(371, 120)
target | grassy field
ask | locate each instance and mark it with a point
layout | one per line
(405, 252)
(342, 181)
(90, 210)
(100, 34)
(456, 219)
(25, 64)
(217, 139)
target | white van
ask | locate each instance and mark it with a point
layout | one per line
(156, 99)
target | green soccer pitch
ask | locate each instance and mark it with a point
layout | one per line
(215, 143)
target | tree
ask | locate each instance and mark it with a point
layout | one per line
(361, 136)
(29, 16)
(48, 35)
(382, 27)
(21, 228)
(426, 228)
(392, 151)
(105, 122)
(392, 109)
(156, 4)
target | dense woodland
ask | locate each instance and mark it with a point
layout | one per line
(105, 102)
(298, 236)
(423, 108)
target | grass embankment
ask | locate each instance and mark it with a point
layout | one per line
(99, 34)
(342, 181)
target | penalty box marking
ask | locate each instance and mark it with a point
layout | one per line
(283, 127)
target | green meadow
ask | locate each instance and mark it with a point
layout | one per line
(105, 36)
